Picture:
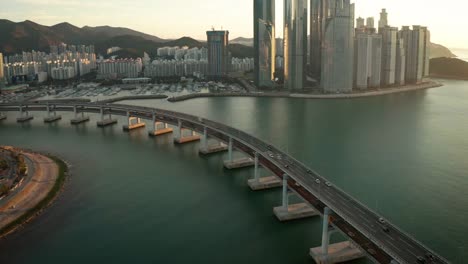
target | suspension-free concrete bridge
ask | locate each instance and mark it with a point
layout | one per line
(369, 235)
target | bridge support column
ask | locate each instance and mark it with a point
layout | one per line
(287, 212)
(52, 115)
(181, 139)
(232, 163)
(78, 119)
(133, 125)
(24, 116)
(206, 148)
(156, 131)
(230, 150)
(335, 253)
(106, 121)
(2, 116)
(262, 183)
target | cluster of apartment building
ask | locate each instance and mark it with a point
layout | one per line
(340, 56)
(167, 68)
(63, 47)
(120, 68)
(61, 64)
(183, 53)
(173, 62)
(130, 68)
(389, 56)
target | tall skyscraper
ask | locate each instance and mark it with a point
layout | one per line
(383, 21)
(427, 41)
(389, 46)
(264, 42)
(295, 43)
(279, 47)
(400, 62)
(360, 23)
(338, 48)
(416, 43)
(218, 54)
(1, 67)
(368, 62)
(318, 16)
(370, 22)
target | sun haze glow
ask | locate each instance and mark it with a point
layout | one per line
(177, 18)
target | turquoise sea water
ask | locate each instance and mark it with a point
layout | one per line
(133, 199)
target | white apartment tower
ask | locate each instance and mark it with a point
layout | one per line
(383, 21)
(416, 42)
(389, 50)
(338, 48)
(368, 63)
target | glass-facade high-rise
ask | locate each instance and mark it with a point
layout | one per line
(389, 50)
(295, 43)
(264, 43)
(318, 15)
(383, 21)
(1, 66)
(338, 48)
(416, 43)
(218, 53)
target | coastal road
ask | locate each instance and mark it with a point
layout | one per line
(45, 174)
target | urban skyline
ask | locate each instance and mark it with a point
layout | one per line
(358, 121)
(162, 23)
(342, 57)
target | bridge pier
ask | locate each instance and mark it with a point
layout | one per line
(78, 119)
(335, 253)
(52, 117)
(232, 163)
(156, 131)
(106, 122)
(262, 183)
(181, 139)
(2, 116)
(206, 148)
(133, 125)
(24, 118)
(288, 212)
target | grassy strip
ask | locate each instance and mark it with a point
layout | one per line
(63, 170)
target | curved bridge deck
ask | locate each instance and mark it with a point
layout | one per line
(356, 221)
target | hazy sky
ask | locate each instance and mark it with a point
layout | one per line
(446, 19)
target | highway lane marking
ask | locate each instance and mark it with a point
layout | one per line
(411, 246)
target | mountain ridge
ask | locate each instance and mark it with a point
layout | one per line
(16, 37)
(27, 35)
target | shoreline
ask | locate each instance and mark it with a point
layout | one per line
(378, 92)
(47, 199)
(448, 77)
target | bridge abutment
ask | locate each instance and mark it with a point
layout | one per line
(159, 128)
(262, 183)
(133, 123)
(335, 253)
(288, 212)
(78, 119)
(180, 138)
(106, 121)
(24, 116)
(232, 163)
(52, 115)
(206, 148)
